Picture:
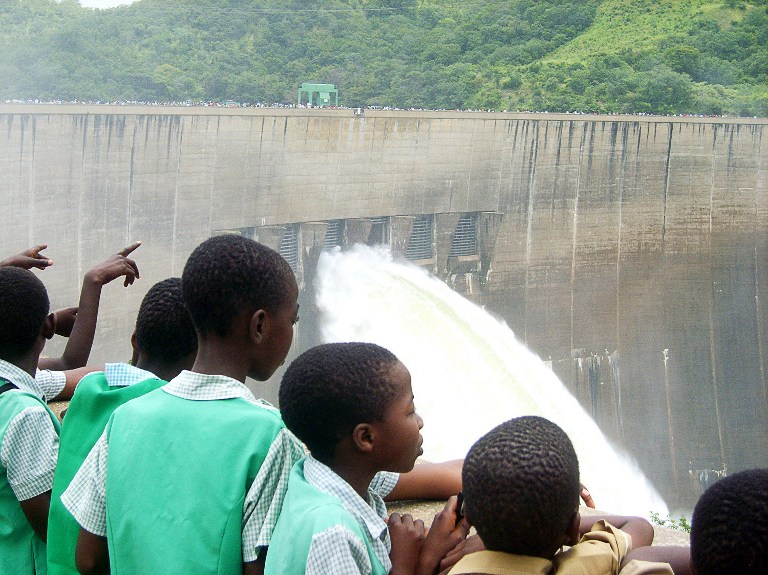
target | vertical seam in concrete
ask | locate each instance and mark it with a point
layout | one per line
(176, 197)
(213, 172)
(617, 380)
(576, 225)
(712, 355)
(31, 211)
(666, 190)
(757, 264)
(529, 215)
(130, 179)
(80, 203)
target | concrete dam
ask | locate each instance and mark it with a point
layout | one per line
(630, 253)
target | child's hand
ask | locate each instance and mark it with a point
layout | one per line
(465, 547)
(407, 538)
(586, 496)
(444, 535)
(115, 267)
(65, 320)
(28, 259)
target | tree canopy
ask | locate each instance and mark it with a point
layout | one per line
(640, 56)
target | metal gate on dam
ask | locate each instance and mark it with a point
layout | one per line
(630, 253)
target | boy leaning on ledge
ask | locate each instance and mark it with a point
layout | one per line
(352, 405)
(521, 489)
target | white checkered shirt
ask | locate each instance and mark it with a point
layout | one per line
(50, 383)
(337, 549)
(125, 374)
(30, 446)
(85, 497)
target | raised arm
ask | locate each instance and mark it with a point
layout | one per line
(429, 481)
(28, 259)
(84, 329)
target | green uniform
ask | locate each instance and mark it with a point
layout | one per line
(177, 482)
(21, 550)
(306, 512)
(87, 415)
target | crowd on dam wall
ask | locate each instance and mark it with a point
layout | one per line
(230, 484)
(279, 105)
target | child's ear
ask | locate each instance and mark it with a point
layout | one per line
(49, 327)
(135, 346)
(257, 326)
(573, 529)
(362, 437)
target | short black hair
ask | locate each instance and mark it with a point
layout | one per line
(24, 305)
(521, 486)
(230, 273)
(164, 329)
(331, 388)
(729, 528)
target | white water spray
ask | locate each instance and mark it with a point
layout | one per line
(468, 371)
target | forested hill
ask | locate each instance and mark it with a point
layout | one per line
(641, 56)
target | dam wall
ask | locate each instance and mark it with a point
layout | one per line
(629, 252)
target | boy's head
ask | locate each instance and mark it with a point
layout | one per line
(358, 393)
(164, 332)
(234, 284)
(729, 528)
(24, 309)
(521, 487)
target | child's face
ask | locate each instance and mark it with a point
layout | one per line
(398, 435)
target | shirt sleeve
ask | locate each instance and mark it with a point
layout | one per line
(51, 382)
(29, 452)
(86, 498)
(338, 550)
(265, 497)
(601, 550)
(384, 482)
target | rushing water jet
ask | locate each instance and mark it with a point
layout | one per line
(469, 373)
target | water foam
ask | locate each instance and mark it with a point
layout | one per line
(469, 373)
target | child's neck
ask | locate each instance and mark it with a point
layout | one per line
(355, 473)
(218, 356)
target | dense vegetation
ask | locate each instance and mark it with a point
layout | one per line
(641, 56)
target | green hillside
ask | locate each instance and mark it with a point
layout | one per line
(621, 25)
(664, 56)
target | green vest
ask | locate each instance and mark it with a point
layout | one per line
(87, 415)
(177, 474)
(22, 552)
(307, 511)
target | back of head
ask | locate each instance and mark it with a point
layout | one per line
(164, 330)
(729, 528)
(23, 308)
(229, 274)
(521, 486)
(331, 388)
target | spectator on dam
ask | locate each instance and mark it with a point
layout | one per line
(729, 528)
(164, 343)
(29, 431)
(212, 461)
(60, 375)
(521, 489)
(352, 405)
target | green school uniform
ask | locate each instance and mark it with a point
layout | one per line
(20, 548)
(176, 483)
(306, 512)
(87, 415)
